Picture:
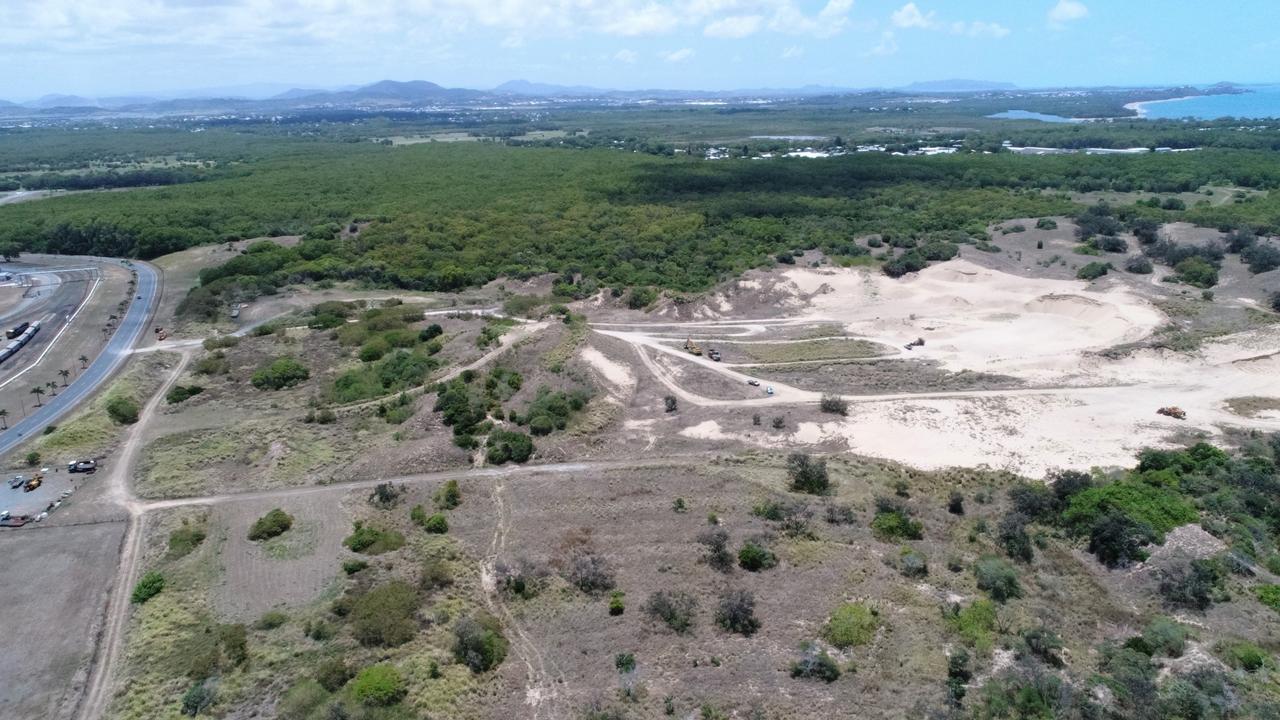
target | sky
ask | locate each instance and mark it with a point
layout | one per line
(100, 48)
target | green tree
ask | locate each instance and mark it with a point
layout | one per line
(378, 685)
(39, 393)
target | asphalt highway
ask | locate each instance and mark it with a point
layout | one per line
(135, 322)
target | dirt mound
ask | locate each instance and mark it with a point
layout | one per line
(1072, 306)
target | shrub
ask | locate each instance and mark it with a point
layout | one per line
(271, 620)
(908, 262)
(32, 459)
(351, 567)
(448, 496)
(1159, 508)
(997, 578)
(754, 557)
(1195, 584)
(384, 616)
(807, 475)
(716, 541)
(435, 574)
(1245, 656)
(778, 422)
(478, 642)
(737, 612)
(851, 625)
(1117, 539)
(955, 503)
(1166, 636)
(617, 602)
(122, 410)
(840, 515)
(1138, 265)
(198, 698)
(184, 540)
(1044, 644)
(590, 573)
(430, 332)
(1046, 224)
(1261, 258)
(976, 624)
(674, 607)
(333, 673)
(912, 563)
(815, 663)
(508, 445)
(436, 524)
(834, 404)
(270, 525)
(893, 522)
(149, 585)
(378, 686)
(1093, 270)
(1011, 533)
(670, 403)
(1269, 595)
(1196, 271)
(373, 541)
(281, 373)
(181, 393)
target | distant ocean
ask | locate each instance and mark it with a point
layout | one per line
(1263, 102)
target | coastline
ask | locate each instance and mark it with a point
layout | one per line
(1141, 107)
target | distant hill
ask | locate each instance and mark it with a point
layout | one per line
(394, 92)
(958, 86)
(53, 101)
(524, 87)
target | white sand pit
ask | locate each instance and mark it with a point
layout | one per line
(618, 376)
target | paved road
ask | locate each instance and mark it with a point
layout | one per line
(130, 331)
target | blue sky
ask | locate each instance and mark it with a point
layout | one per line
(108, 47)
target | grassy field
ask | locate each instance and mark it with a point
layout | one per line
(833, 349)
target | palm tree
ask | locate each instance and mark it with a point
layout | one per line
(37, 391)
(84, 361)
(4, 418)
(53, 387)
(65, 374)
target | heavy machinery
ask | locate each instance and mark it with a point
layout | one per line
(25, 332)
(1173, 411)
(161, 334)
(918, 342)
(16, 330)
(82, 466)
(33, 483)
(691, 348)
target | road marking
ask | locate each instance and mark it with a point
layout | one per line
(53, 342)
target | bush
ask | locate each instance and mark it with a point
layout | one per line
(436, 524)
(617, 602)
(122, 410)
(435, 574)
(1046, 224)
(182, 393)
(1117, 539)
(834, 404)
(270, 525)
(912, 563)
(754, 557)
(1245, 656)
(448, 496)
(1093, 270)
(478, 643)
(851, 625)
(976, 624)
(1011, 533)
(384, 616)
(997, 578)
(807, 475)
(271, 620)
(1160, 509)
(378, 686)
(351, 567)
(32, 459)
(670, 403)
(893, 522)
(955, 503)
(282, 373)
(590, 573)
(1194, 585)
(815, 663)
(508, 445)
(185, 539)
(908, 262)
(1195, 271)
(373, 541)
(675, 608)
(430, 332)
(1269, 595)
(737, 612)
(333, 673)
(149, 585)
(1138, 265)
(1261, 258)
(198, 698)
(1163, 635)
(716, 540)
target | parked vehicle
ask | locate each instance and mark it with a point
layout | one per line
(82, 466)
(17, 481)
(17, 330)
(753, 383)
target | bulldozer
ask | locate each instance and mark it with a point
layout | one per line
(692, 348)
(33, 483)
(1173, 411)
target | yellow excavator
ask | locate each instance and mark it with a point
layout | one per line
(691, 348)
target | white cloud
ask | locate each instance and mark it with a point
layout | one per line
(626, 56)
(888, 45)
(831, 20)
(734, 26)
(978, 28)
(1067, 11)
(677, 56)
(792, 52)
(910, 16)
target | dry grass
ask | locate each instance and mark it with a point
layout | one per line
(1253, 406)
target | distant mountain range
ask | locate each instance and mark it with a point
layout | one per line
(421, 94)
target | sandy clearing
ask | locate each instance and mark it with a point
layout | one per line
(622, 383)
